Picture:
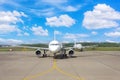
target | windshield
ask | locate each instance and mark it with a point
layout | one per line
(54, 44)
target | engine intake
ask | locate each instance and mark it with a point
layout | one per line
(38, 52)
(71, 52)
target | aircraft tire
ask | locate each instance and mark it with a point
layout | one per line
(44, 55)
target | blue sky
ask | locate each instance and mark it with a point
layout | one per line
(35, 21)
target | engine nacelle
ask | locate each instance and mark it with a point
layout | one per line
(71, 52)
(38, 52)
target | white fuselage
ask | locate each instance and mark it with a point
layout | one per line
(54, 46)
(77, 46)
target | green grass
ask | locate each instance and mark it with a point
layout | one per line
(103, 49)
(15, 49)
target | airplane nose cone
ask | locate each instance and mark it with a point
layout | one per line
(54, 49)
(54, 46)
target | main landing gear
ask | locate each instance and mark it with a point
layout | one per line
(44, 55)
(39, 53)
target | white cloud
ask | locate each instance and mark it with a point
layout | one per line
(94, 33)
(117, 29)
(10, 41)
(9, 17)
(26, 34)
(57, 32)
(38, 30)
(8, 21)
(52, 7)
(62, 5)
(74, 36)
(110, 41)
(112, 34)
(19, 34)
(26, 28)
(63, 20)
(10, 2)
(23, 34)
(5, 28)
(43, 12)
(70, 8)
(55, 2)
(103, 16)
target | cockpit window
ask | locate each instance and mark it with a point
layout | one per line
(54, 44)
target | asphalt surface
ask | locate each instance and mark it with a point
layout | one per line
(87, 65)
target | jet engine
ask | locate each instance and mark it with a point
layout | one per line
(71, 52)
(38, 53)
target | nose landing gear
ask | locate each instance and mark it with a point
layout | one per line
(62, 55)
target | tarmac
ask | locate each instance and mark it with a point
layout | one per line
(87, 65)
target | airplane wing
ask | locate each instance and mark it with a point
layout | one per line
(37, 48)
(68, 48)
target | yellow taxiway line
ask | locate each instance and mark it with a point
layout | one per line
(54, 67)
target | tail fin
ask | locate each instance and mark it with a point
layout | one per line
(74, 43)
(54, 36)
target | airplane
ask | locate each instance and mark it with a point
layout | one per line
(78, 46)
(56, 48)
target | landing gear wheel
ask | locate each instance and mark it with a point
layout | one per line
(44, 55)
(65, 55)
(61, 56)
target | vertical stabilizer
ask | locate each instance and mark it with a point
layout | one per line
(75, 43)
(54, 36)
